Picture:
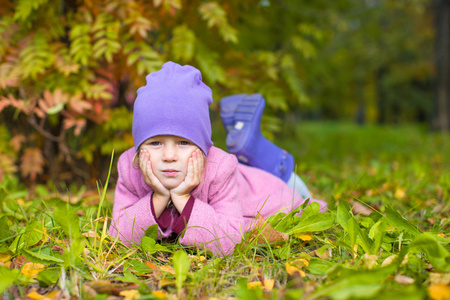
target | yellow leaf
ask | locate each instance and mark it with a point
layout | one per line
(4, 258)
(168, 269)
(268, 284)
(439, 292)
(304, 237)
(165, 281)
(400, 193)
(302, 261)
(253, 284)
(32, 269)
(160, 294)
(35, 296)
(130, 294)
(293, 270)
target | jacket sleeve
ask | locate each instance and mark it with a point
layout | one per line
(217, 224)
(132, 211)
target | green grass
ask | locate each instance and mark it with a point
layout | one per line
(400, 249)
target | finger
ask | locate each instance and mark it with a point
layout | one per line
(190, 170)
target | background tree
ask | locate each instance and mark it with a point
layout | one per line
(441, 112)
(69, 70)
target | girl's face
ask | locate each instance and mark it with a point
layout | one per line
(169, 156)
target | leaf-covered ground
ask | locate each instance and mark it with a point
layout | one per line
(386, 235)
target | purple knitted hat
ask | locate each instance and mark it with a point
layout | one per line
(175, 101)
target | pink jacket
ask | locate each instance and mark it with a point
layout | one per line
(220, 211)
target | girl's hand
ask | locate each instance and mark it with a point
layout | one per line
(181, 194)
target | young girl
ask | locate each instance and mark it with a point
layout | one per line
(175, 178)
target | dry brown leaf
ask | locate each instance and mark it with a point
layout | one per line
(324, 255)
(104, 287)
(151, 265)
(438, 278)
(359, 208)
(439, 292)
(265, 233)
(370, 260)
(404, 279)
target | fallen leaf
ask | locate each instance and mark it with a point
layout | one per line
(160, 294)
(370, 260)
(50, 296)
(391, 258)
(130, 294)
(324, 255)
(291, 270)
(400, 193)
(168, 269)
(32, 269)
(35, 296)
(150, 265)
(359, 208)
(165, 282)
(104, 287)
(269, 284)
(439, 292)
(265, 233)
(438, 278)
(304, 237)
(404, 279)
(253, 284)
(5, 259)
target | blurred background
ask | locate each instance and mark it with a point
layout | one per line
(69, 71)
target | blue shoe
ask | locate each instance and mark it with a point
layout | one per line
(228, 107)
(246, 141)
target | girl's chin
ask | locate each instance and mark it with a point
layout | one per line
(171, 184)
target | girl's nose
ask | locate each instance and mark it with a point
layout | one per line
(170, 153)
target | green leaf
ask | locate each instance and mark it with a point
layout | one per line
(318, 222)
(376, 233)
(66, 216)
(150, 245)
(7, 278)
(55, 109)
(4, 228)
(183, 43)
(36, 257)
(426, 243)
(24, 8)
(29, 236)
(343, 214)
(398, 221)
(152, 232)
(181, 264)
(48, 277)
(355, 284)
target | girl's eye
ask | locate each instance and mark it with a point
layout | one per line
(184, 143)
(155, 143)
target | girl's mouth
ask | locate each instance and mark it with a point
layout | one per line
(170, 173)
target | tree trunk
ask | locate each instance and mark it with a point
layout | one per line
(441, 110)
